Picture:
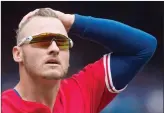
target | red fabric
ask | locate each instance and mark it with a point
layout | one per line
(84, 92)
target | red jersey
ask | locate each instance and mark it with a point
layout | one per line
(88, 91)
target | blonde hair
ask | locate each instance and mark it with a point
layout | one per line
(43, 12)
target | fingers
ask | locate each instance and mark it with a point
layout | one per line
(26, 17)
(58, 13)
(51, 10)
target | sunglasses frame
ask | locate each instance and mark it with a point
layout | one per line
(28, 39)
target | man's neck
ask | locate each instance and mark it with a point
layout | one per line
(39, 92)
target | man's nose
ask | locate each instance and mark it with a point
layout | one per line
(53, 48)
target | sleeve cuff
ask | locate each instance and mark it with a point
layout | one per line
(108, 76)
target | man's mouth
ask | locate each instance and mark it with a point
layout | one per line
(52, 61)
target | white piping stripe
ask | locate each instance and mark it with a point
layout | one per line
(106, 79)
(109, 73)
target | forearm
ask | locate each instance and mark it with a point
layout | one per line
(116, 36)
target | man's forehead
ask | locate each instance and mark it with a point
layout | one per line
(38, 25)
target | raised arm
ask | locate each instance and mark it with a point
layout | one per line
(131, 47)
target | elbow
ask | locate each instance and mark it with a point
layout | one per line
(150, 47)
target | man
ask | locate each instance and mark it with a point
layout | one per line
(42, 52)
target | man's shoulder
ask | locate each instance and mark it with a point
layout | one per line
(84, 76)
(7, 96)
(86, 71)
(7, 93)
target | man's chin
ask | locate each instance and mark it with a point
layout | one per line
(53, 75)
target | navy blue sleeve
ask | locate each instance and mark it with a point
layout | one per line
(131, 48)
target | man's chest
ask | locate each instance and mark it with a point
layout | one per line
(71, 102)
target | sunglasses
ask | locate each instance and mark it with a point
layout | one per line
(45, 40)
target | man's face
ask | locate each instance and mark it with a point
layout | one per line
(47, 63)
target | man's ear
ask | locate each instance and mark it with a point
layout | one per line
(17, 54)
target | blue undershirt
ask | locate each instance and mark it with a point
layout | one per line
(131, 48)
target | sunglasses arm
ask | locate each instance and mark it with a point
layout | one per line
(25, 40)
